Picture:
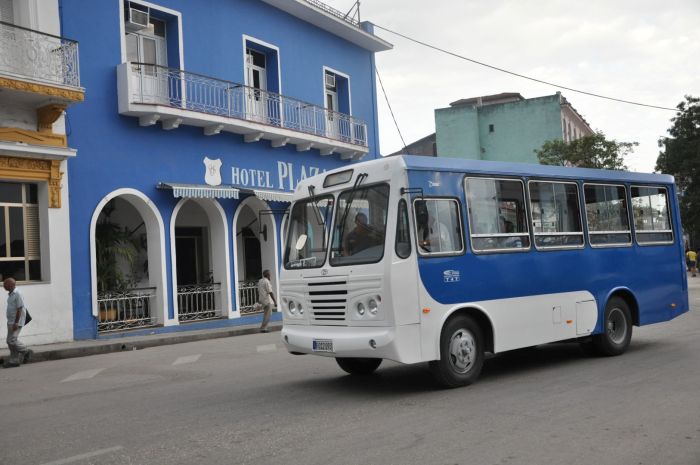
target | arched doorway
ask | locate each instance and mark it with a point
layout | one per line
(127, 262)
(199, 249)
(255, 243)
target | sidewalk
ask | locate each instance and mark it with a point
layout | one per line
(104, 346)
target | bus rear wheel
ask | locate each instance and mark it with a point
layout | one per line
(461, 353)
(617, 329)
(358, 366)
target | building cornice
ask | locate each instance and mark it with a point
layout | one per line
(337, 26)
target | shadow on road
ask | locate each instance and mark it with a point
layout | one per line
(410, 379)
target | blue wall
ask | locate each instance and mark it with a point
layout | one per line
(115, 152)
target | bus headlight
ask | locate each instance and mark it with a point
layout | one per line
(373, 306)
(292, 307)
(301, 309)
(360, 308)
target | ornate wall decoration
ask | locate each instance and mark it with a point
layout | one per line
(27, 169)
(33, 137)
(24, 86)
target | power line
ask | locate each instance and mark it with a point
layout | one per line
(521, 75)
(386, 97)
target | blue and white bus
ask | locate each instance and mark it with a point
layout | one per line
(421, 259)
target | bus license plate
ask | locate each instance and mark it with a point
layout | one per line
(323, 345)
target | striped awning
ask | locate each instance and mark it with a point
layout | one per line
(200, 191)
(273, 196)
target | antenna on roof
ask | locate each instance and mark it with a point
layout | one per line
(356, 7)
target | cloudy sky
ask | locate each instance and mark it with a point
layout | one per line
(640, 50)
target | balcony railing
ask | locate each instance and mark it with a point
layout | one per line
(131, 308)
(158, 85)
(199, 301)
(25, 53)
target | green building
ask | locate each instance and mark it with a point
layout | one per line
(503, 127)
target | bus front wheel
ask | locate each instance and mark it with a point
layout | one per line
(617, 329)
(358, 366)
(461, 353)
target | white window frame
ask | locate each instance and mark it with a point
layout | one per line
(323, 86)
(262, 43)
(478, 236)
(580, 218)
(668, 212)
(152, 6)
(629, 220)
(24, 205)
(460, 221)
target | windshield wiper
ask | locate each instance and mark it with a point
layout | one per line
(360, 177)
(317, 211)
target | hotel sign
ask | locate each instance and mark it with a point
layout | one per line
(285, 178)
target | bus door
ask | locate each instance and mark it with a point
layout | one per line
(404, 271)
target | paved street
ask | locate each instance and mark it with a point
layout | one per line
(244, 400)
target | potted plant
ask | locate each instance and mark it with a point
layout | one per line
(115, 245)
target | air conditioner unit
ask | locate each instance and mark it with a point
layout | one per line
(330, 80)
(138, 20)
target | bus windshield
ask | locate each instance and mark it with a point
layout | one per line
(360, 225)
(307, 240)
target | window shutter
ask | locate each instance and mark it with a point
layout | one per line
(6, 12)
(31, 238)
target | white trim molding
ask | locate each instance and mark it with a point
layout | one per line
(257, 205)
(153, 6)
(155, 229)
(218, 235)
(343, 75)
(247, 38)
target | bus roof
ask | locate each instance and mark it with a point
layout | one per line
(413, 162)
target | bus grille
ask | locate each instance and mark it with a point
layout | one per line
(328, 300)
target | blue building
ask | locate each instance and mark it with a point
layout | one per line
(201, 119)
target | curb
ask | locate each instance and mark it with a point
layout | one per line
(40, 355)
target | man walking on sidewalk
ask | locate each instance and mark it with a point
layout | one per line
(265, 298)
(16, 314)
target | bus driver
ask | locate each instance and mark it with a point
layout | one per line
(361, 237)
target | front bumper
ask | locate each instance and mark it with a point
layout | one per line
(400, 344)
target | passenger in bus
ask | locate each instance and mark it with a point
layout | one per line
(362, 237)
(433, 236)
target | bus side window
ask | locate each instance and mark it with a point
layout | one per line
(556, 216)
(497, 215)
(403, 236)
(607, 216)
(652, 220)
(438, 226)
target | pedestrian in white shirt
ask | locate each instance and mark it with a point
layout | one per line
(266, 298)
(16, 314)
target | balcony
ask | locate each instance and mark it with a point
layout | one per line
(174, 97)
(37, 65)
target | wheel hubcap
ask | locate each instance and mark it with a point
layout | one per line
(462, 351)
(616, 326)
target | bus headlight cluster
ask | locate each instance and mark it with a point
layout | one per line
(369, 307)
(294, 308)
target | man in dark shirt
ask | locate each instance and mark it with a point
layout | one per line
(360, 238)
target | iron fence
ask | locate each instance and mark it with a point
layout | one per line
(248, 293)
(199, 301)
(128, 309)
(38, 56)
(152, 84)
